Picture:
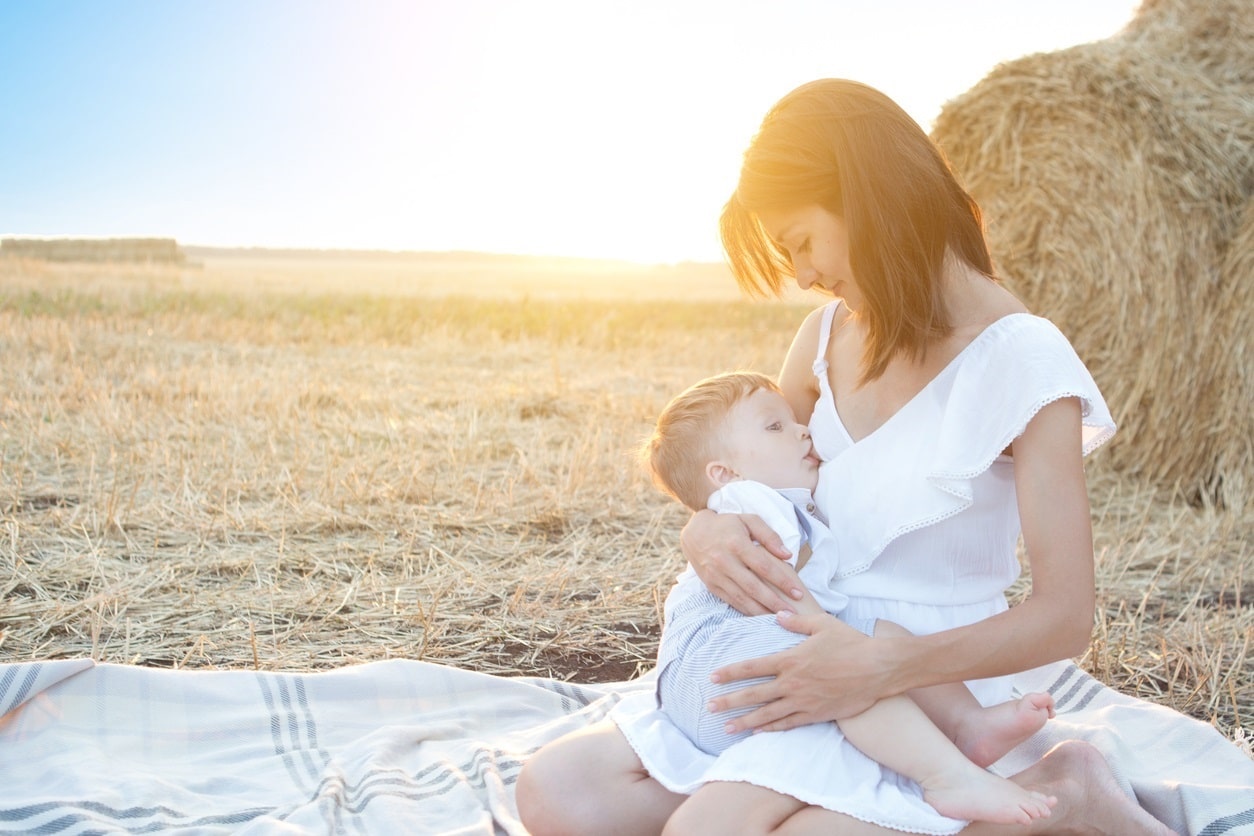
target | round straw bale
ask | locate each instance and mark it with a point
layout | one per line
(1213, 34)
(1235, 455)
(1113, 176)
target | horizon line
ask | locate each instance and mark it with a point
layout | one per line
(377, 251)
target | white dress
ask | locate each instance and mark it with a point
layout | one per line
(926, 522)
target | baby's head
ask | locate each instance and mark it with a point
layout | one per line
(728, 427)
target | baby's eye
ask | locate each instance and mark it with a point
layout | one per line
(774, 428)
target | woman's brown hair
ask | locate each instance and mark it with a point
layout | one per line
(849, 148)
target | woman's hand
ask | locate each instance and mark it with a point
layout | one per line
(742, 561)
(833, 674)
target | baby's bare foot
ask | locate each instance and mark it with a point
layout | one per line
(991, 732)
(976, 795)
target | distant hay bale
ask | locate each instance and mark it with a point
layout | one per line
(1116, 180)
(96, 250)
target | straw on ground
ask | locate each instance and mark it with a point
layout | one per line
(197, 478)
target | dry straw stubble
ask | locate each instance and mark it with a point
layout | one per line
(196, 478)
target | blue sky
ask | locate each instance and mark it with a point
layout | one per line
(565, 127)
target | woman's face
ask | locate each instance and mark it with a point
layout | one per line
(818, 245)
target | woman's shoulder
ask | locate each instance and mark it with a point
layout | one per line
(834, 312)
(818, 327)
(1022, 335)
(1005, 326)
(805, 343)
(989, 305)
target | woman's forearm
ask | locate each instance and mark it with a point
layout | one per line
(838, 672)
(1036, 632)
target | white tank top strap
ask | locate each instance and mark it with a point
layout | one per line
(828, 433)
(825, 335)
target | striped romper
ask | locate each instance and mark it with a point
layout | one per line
(703, 634)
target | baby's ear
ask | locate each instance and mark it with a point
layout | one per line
(720, 474)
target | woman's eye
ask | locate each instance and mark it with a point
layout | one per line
(805, 246)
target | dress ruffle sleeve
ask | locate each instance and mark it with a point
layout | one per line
(1022, 367)
(952, 432)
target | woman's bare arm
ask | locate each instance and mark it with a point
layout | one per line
(838, 672)
(796, 377)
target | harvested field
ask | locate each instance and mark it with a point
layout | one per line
(196, 474)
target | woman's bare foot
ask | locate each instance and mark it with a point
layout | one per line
(1090, 801)
(976, 795)
(987, 734)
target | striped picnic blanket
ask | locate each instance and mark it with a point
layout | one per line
(410, 747)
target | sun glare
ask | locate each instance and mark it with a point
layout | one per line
(553, 127)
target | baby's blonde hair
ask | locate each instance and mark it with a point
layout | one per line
(685, 438)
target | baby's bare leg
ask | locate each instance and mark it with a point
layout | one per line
(896, 733)
(982, 734)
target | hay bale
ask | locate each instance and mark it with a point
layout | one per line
(1113, 176)
(1214, 35)
(1236, 279)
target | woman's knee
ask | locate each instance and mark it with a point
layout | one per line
(581, 782)
(543, 792)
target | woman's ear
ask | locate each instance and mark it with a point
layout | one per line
(720, 474)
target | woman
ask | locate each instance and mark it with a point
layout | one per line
(951, 419)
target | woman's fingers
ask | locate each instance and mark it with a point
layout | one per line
(756, 597)
(765, 536)
(771, 583)
(734, 556)
(771, 716)
(772, 665)
(749, 694)
(745, 591)
(769, 562)
(772, 713)
(809, 683)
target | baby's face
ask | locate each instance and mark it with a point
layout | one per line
(763, 442)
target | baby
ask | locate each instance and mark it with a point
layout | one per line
(731, 443)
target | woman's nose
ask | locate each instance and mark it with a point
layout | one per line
(806, 274)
